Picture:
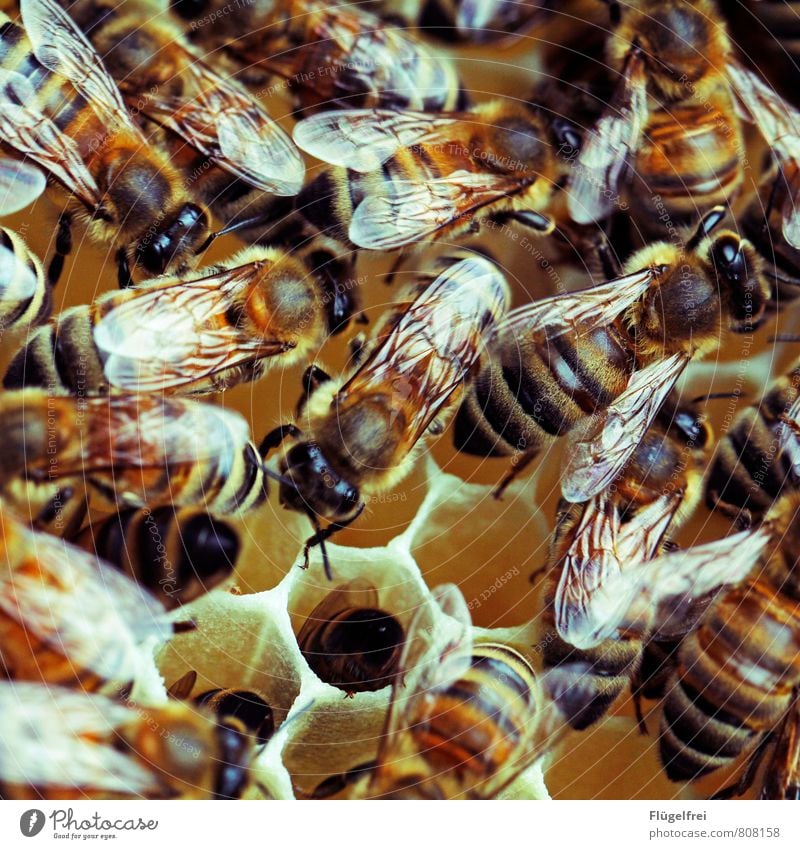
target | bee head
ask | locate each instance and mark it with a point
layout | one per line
(312, 485)
(179, 238)
(737, 267)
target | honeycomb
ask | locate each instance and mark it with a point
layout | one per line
(440, 525)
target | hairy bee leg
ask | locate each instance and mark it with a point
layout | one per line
(63, 249)
(321, 535)
(516, 469)
(274, 438)
(124, 277)
(748, 776)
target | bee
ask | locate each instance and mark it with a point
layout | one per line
(60, 110)
(228, 704)
(177, 554)
(629, 522)
(25, 298)
(49, 591)
(131, 450)
(414, 176)
(471, 21)
(673, 121)
(194, 334)
(361, 432)
(759, 456)
(598, 363)
(735, 674)
(349, 642)
(64, 744)
(163, 79)
(329, 57)
(464, 719)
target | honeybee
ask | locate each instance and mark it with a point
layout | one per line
(131, 450)
(414, 176)
(193, 334)
(177, 554)
(361, 432)
(473, 21)
(349, 642)
(63, 744)
(607, 357)
(657, 489)
(243, 706)
(329, 56)
(49, 591)
(24, 294)
(687, 147)
(162, 78)
(735, 674)
(60, 110)
(759, 456)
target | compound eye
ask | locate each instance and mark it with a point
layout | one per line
(154, 255)
(729, 258)
(189, 9)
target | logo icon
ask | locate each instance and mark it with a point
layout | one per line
(31, 822)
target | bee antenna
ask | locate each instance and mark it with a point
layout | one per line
(253, 221)
(276, 476)
(713, 396)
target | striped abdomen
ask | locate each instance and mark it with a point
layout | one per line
(475, 725)
(178, 555)
(733, 681)
(690, 156)
(19, 267)
(60, 357)
(536, 389)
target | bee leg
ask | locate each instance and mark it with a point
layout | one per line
(321, 535)
(63, 248)
(124, 277)
(748, 776)
(274, 438)
(517, 466)
(313, 378)
(536, 221)
(357, 346)
(636, 693)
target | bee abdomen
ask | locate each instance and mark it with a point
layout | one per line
(178, 555)
(61, 358)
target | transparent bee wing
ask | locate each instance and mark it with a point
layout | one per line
(31, 133)
(429, 352)
(20, 185)
(167, 337)
(606, 153)
(85, 608)
(661, 591)
(580, 311)
(418, 209)
(599, 455)
(17, 281)
(779, 123)
(148, 431)
(62, 48)
(227, 124)
(55, 737)
(602, 549)
(363, 139)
